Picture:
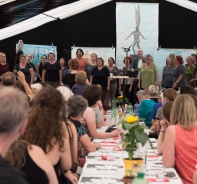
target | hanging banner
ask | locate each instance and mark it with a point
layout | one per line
(136, 27)
(37, 51)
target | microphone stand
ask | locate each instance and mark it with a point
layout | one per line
(67, 51)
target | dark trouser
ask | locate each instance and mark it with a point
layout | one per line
(110, 95)
(135, 89)
(104, 92)
(53, 84)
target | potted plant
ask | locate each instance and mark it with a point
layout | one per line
(134, 134)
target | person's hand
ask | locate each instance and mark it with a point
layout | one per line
(108, 87)
(174, 85)
(116, 132)
(130, 88)
(132, 69)
(138, 85)
(154, 127)
(98, 145)
(60, 83)
(191, 81)
(164, 124)
(72, 178)
(21, 76)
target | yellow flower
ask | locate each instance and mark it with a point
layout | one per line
(120, 97)
(131, 119)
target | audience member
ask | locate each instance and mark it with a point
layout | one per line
(47, 130)
(145, 107)
(153, 92)
(92, 116)
(8, 79)
(169, 94)
(165, 122)
(179, 145)
(13, 113)
(187, 89)
(33, 162)
(79, 87)
(76, 107)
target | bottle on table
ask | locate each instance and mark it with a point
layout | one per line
(136, 109)
(140, 179)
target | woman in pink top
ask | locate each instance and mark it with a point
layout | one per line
(181, 138)
(82, 61)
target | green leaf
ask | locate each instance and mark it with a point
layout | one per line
(128, 126)
(141, 137)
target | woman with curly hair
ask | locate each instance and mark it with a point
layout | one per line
(47, 130)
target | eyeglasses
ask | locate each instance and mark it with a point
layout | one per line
(110, 60)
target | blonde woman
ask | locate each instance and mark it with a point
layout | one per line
(179, 146)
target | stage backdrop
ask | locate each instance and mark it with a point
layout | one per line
(38, 50)
(136, 27)
(161, 55)
(102, 52)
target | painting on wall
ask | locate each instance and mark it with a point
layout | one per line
(136, 27)
(38, 51)
(103, 52)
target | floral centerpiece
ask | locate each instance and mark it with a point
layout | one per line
(134, 134)
(119, 102)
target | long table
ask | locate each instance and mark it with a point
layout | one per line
(106, 166)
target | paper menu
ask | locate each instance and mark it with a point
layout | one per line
(99, 180)
(110, 159)
(103, 170)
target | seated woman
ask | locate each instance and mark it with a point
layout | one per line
(179, 145)
(91, 115)
(153, 91)
(80, 79)
(32, 161)
(146, 106)
(165, 122)
(76, 106)
(168, 95)
(47, 130)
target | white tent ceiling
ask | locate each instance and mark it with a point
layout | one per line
(61, 12)
(66, 11)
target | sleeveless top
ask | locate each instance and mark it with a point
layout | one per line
(185, 153)
(33, 172)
